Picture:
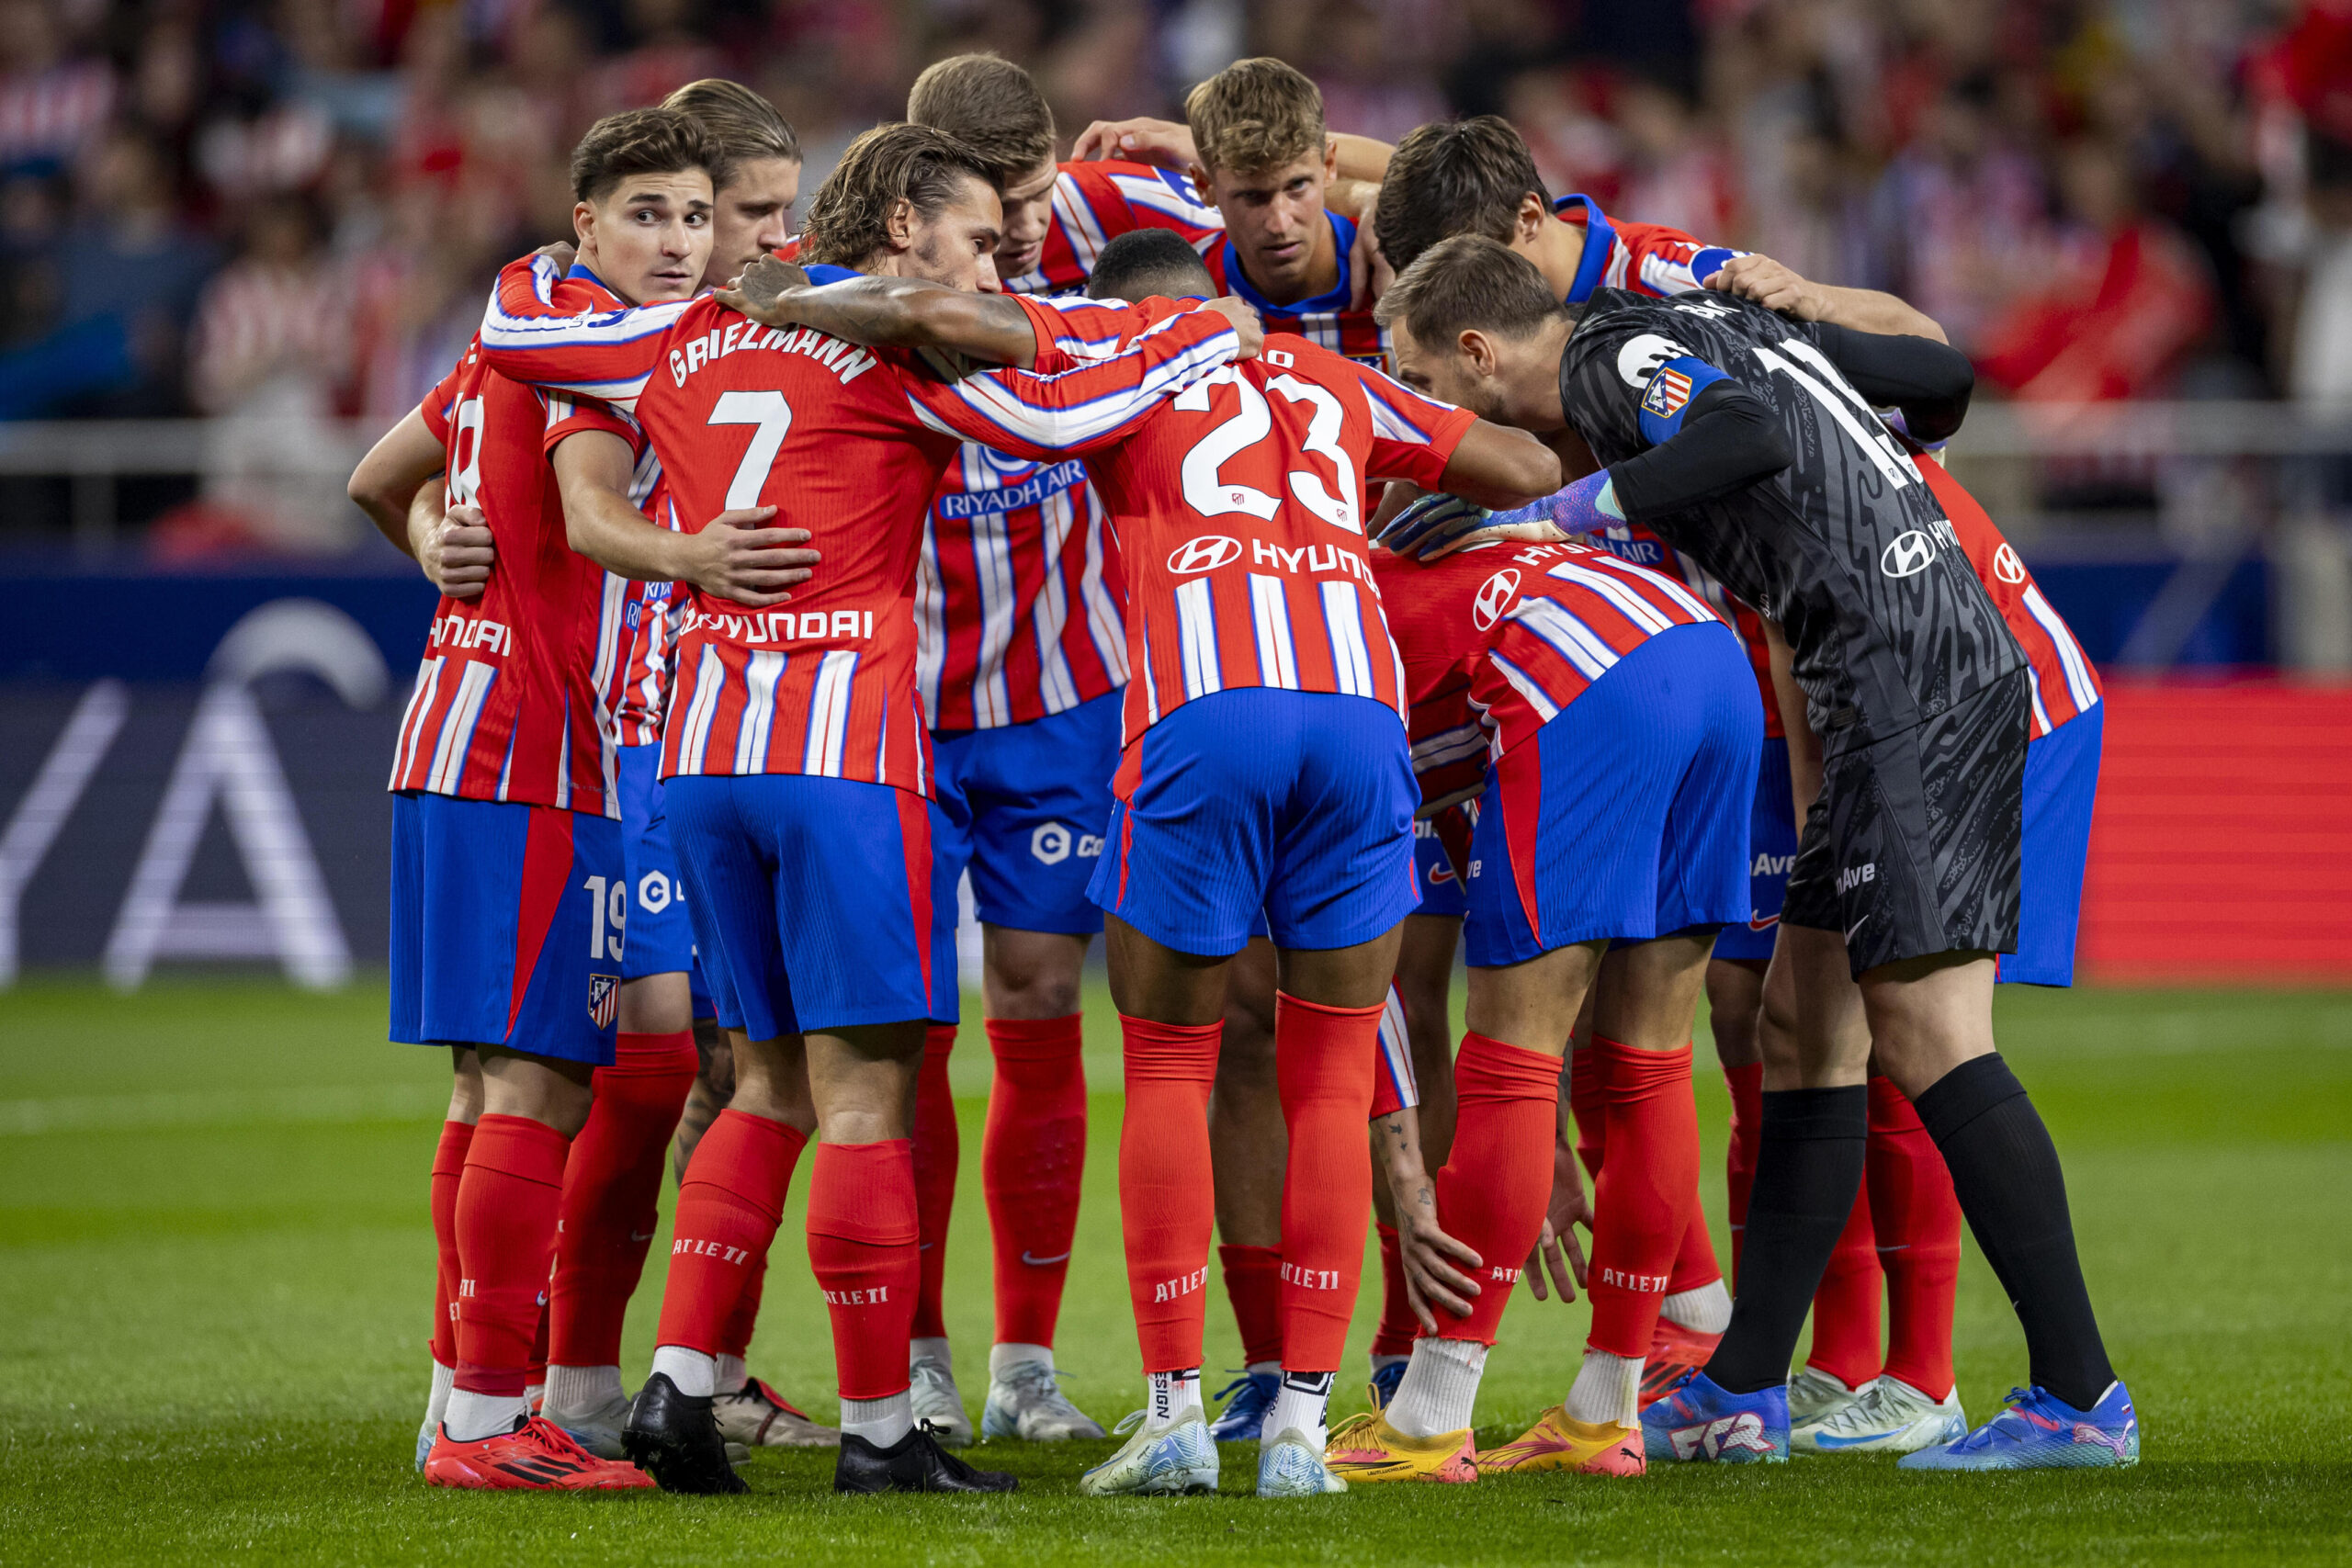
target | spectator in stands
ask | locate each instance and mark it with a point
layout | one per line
(132, 269)
(2320, 366)
(53, 105)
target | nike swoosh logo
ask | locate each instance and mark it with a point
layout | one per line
(1824, 1442)
(1764, 924)
(1035, 1261)
(1858, 925)
(640, 1236)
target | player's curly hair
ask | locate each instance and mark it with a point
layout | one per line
(849, 218)
(639, 141)
(745, 126)
(1256, 114)
(1464, 177)
(1468, 282)
(992, 106)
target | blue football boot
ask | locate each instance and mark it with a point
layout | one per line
(1384, 1380)
(1698, 1422)
(1244, 1415)
(2037, 1430)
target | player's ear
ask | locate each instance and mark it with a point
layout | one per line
(1478, 350)
(1530, 220)
(901, 226)
(583, 221)
(1331, 158)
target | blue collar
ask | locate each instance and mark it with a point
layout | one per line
(825, 272)
(579, 269)
(1344, 239)
(1600, 240)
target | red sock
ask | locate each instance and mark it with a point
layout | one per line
(735, 1334)
(1746, 1086)
(1323, 1064)
(1033, 1163)
(448, 1169)
(1694, 1264)
(937, 1147)
(863, 1238)
(1497, 1181)
(1589, 1102)
(612, 1190)
(1398, 1324)
(1916, 1220)
(1845, 1309)
(729, 1206)
(1643, 1198)
(505, 1226)
(1167, 1193)
(536, 1374)
(1253, 1283)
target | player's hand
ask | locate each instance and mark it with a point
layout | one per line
(1245, 325)
(759, 289)
(1440, 525)
(736, 558)
(457, 553)
(1557, 1250)
(1163, 143)
(1428, 1256)
(1369, 273)
(560, 252)
(1774, 284)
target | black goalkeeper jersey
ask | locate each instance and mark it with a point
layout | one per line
(1845, 548)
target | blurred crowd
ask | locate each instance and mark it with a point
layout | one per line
(289, 209)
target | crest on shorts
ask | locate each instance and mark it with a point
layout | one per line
(603, 999)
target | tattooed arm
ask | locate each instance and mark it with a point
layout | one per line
(1425, 1248)
(889, 312)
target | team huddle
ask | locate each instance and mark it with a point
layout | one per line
(1296, 559)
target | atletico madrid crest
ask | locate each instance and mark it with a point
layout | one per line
(603, 999)
(1669, 390)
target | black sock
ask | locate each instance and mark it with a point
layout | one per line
(1808, 1168)
(2005, 1170)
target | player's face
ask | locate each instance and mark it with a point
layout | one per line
(957, 244)
(1446, 374)
(752, 216)
(1275, 218)
(1028, 211)
(650, 239)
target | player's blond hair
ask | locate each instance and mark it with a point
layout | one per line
(745, 126)
(849, 218)
(991, 105)
(1256, 114)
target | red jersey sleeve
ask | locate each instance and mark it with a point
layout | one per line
(439, 403)
(568, 416)
(1044, 415)
(545, 328)
(1413, 437)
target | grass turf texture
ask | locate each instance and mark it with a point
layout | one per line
(215, 1289)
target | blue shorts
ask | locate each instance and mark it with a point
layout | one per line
(1441, 890)
(811, 900)
(506, 926)
(2060, 779)
(660, 937)
(1023, 808)
(1772, 850)
(1296, 803)
(1626, 816)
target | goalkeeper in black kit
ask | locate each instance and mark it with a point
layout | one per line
(1752, 444)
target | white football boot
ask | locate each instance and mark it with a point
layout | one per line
(1815, 1395)
(1291, 1465)
(1176, 1459)
(937, 1401)
(1890, 1417)
(1027, 1402)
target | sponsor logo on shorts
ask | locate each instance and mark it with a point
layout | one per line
(1310, 1278)
(1767, 864)
(2007, 567)
(1744, 1431)
(603, 999)
(1757, 922)
(1495, 596)
(653, 891)
(1853, 876)
(1181, 1286)
(1203, 552)
(1907, 554)
(1052, 843)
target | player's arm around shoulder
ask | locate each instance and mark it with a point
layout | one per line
(731, 556)
(889, 312)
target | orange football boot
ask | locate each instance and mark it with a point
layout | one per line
(534, 1457)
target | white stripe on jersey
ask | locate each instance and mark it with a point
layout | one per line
(420, 703)
(1086, 239)
(1449, 746)
(458, 731)
(930, 623)
(1056, 687)
(828, 701)
(1104, 622)
(760, 672)
(1544, 705)
(1269, 613)
(1196, 636)
(1162, 197)
(1351, 660)
(992, 576)
(2041, 725)
(693, 740)
(2079, 684)
(1618, 593)
(1150, 701)
(1575, 641)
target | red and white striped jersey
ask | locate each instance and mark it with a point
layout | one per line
(1497, 639)
(1095, 202)
(649, 613)
(567, 331)
(1239, 509)
(850, 445)
(2064, 682)
(512, 700)
(1632, 542)
(1648, 258)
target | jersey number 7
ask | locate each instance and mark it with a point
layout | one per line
(772, 417)
(1210, 495)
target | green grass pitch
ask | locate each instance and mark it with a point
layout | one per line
(215, 1274)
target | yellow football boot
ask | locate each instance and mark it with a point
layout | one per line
(1581, 1448)
(1366, 1448)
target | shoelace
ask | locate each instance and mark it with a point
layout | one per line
(1247, 1379)
(1043, 1383)
(2012, 1412)
(1128, 1424)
